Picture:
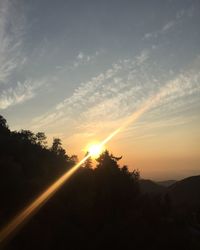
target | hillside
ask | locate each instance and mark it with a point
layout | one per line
(149, 186)
(186, 192)
(99, 207)
(166, 183)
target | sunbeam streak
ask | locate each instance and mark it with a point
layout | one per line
(36, 204)
(29, 211)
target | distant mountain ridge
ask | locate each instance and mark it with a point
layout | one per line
(186, 191)
(183, 192)
(149, 186)
(166, 183)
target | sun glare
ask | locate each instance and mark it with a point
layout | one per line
(95, 150)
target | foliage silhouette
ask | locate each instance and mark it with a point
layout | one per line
(100, 207)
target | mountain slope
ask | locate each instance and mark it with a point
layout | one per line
(149, 186)
(166, 183)
(186, 191)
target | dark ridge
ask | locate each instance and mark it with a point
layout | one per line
(149, 186)
(166, 183)
(186, 192)
(105, 206)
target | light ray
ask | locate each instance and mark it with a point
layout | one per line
(29, 211)
(36, 204)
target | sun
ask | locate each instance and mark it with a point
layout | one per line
(95, 150)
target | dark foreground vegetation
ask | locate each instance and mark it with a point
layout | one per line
(98, 208)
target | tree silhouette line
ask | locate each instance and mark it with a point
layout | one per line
(100, 207)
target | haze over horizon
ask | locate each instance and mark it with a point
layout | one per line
(77, 69)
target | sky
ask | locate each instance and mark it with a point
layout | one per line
(78, 69)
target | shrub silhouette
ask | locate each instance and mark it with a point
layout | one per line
(100, 207)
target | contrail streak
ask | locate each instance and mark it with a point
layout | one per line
(20, 219)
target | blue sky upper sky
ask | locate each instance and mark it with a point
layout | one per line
(76, 69)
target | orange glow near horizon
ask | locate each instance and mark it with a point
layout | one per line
(29, 211)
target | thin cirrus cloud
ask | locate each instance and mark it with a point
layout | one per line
(13, 58)
(83, 59)
(11, 38)
(171, 103)
(89, 93)
(104, 101)
(19, 94)
(170, 24)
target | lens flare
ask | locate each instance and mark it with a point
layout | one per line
(95, 149)
(29, 211)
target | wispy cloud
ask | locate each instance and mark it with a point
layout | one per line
(89, 94)
(19, 94)
(99, 105)
(11, 36)
(171, 100)
(168, 26)
(83, 59)
(12, 58)
(144, 129)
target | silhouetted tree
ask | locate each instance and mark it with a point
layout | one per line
(107, 160)
(73, 160)
(27, 135)
(58, 149)
(88, 163)
(3, 126)
(98, 208)
(56, 145)
(124, 170)
(41, 139)
(3, 122)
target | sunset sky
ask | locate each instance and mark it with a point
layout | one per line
(78, 69)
